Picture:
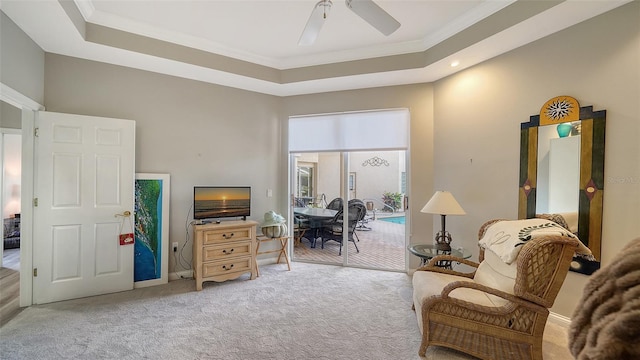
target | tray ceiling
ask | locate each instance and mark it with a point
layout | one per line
(252, 45)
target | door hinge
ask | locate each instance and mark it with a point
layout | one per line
(36, 132)
(35, 272)
(35, 202)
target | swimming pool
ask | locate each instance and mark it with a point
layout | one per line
(393, 219)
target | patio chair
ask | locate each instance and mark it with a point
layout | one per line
(363, 219)
(335, 204)
(299, 202)
(300, 227)
(332, 230)
(499, 311)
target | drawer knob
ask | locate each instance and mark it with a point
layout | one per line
(227, 267)
(227, 252)
(227, 237)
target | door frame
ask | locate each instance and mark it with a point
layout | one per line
(29, 108)
(4, 131)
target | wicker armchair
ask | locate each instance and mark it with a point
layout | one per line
(499, 311)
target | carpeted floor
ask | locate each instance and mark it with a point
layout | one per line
(311, 312)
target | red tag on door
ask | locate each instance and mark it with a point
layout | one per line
(126, 239)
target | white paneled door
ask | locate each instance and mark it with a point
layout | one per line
(85, 173)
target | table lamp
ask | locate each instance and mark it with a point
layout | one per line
(443, 203)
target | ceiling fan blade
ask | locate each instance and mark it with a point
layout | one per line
(315, 22)
(374, 15)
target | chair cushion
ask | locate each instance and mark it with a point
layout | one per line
(495, 273)
(427, 284)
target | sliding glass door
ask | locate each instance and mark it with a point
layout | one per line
(348, 188)
(379, 183)
(356, 217)
(316, 215)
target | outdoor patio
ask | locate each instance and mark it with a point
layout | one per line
(382, 247)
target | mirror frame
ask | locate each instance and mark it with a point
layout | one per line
(592, 178)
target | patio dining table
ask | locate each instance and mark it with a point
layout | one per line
(315, 216)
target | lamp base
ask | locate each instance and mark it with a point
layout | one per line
(443, 241)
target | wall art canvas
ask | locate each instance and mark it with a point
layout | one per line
(151, 248)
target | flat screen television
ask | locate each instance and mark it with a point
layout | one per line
(210, 202)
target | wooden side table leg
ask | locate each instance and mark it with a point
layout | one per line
(256, 258)
(282, 250)
(284, 242)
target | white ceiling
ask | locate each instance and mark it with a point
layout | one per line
(264, 35)
(267, 32)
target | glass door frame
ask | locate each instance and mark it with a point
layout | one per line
(344, 193)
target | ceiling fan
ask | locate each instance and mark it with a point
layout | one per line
(366, 9)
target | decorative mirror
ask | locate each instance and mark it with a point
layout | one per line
(562, 171)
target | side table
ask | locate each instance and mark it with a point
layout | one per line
(427, 252)
(281, 250)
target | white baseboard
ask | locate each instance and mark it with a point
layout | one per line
(270, 260)
(558, 319)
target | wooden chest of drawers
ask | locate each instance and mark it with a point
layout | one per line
(224, 251)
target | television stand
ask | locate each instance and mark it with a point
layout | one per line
(224, 251)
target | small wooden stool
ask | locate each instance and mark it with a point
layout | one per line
(284, 241)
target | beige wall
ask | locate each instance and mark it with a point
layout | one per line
(478, 114)
(201, 134)
(10, 116)
(328, 176)
(21, 69)
(21, 61)
(373, 181)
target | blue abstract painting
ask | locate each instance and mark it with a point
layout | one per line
(148, 229)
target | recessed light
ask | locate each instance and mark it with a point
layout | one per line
(455, 63)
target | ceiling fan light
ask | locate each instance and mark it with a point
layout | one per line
(374, 15)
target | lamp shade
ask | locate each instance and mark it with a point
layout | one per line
(443, 203)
